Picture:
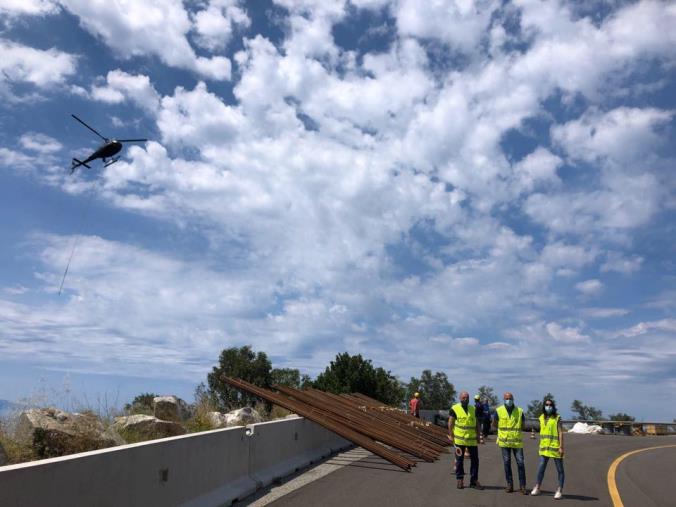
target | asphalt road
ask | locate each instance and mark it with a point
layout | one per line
(643, 479)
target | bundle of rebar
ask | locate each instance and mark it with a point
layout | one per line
(379, 429)
(433, 431)
(324, 418)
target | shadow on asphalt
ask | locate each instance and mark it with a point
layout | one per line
(375, 464)
(581, 498)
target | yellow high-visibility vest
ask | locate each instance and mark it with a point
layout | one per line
(464, 430)
(509, 427)
(549, 436)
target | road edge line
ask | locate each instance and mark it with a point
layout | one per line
(612, 485)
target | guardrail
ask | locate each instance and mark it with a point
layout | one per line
(213, 468)
(440, 418)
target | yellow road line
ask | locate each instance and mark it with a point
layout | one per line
(612, 485)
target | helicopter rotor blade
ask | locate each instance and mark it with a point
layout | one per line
(95, 132)
(132, 140)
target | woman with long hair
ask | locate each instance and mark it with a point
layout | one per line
(551, 446)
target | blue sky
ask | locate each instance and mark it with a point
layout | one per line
(481, 188)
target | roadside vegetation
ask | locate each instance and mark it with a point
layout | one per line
(345, 374)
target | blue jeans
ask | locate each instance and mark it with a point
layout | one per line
(507, 462)
(559, 468)
(474, 463)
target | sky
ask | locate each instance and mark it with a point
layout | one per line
(485, 188)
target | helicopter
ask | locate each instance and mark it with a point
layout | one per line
(107, 150)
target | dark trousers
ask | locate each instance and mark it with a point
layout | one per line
(485, 427)
(474, 463)
(507, 462)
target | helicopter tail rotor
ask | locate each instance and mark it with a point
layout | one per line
(77, 163)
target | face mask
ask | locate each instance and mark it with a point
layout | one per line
(549, 409)
(464, 403)
(509, 403)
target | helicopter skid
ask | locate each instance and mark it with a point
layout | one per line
(110, 162)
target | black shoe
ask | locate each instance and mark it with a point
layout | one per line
(476, 485)
(460, 484)
(523, 490)
(509, 489)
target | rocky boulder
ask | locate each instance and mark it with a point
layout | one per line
(242, 417)
(53, 432)
(171, 408)
(216, 420)
(140, 427)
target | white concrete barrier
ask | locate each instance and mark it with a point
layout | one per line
(278, 449)
(207, 469)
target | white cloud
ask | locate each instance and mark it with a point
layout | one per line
(589, 287)
(624, 134)
(604, 313)
(28, 7)
(122, 86)
(562, 255)
(627, 202)
(538, 166)
(155, 27)
(215, 24)
(40, 143)
(13, 159)
(460, 24)
(42, 68)
(565, 334)
(617, 262)
(666, 325)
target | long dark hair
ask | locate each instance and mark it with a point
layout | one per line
(545, 400)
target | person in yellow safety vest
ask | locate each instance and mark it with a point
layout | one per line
(463, 431)
(551, 446)
(509, 421)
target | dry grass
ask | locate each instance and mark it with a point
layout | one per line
(199, 420)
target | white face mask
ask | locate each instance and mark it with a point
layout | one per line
(509, 403)
(549, 409)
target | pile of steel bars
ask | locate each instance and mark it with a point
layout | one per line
(402, 417)
(360, 419)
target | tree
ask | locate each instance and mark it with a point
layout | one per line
(241, 363)
(534, 409)
(436, 392)
(289, 377)
(141, 404)
(584, 412)
(488, 393)
(621, 416)
(354, 374)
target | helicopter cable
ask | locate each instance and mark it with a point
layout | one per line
(75, 240)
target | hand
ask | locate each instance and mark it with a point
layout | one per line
(450, 439)
(561, 451)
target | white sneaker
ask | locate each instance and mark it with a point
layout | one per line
(535, 492)
(558, 495)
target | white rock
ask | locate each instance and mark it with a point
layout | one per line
(242, 417)
(147, 426)
(217, 420)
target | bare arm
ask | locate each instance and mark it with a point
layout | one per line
(451, 425)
